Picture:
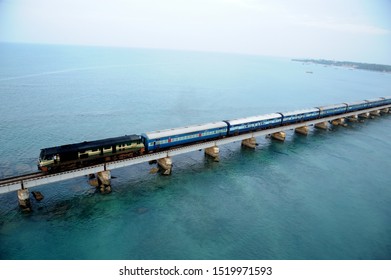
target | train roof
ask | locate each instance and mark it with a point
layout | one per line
(298, 112)
(88, 145)
(375, 99)
(183, 130)
(253, 119)
(331, 106)
(356, 103)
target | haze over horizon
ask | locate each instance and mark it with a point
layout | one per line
(349, 30)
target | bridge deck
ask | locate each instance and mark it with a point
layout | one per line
(16, 183)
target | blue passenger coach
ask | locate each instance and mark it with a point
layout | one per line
(179, 136)
(355, 106)
(243, 125)
(387, 100)
(299, 116)
(376, 102)
(330, 110)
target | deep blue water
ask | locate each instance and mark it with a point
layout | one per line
(322, 196)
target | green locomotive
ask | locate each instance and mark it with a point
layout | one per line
(73, 156)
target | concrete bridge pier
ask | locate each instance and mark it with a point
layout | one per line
(322, 125)
(24, 199)
(279, 135)
(102, 181)
(213, 152)
(165, 165)
(364, 115)
(250, 143)
(385, 110)
(339, 121)
(375, 113)
(353, 118)
(303, 130)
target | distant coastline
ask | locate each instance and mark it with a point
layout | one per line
(349, 64)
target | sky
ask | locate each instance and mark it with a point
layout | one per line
(355, 30)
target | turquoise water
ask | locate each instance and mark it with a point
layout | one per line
(323, 196)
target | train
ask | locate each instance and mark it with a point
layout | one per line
(88, 153)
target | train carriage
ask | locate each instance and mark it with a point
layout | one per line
(387, 100)
(376, 102)
(330, 110)
(243, 125)
(164, 139)
(299, 116)
(356, 106)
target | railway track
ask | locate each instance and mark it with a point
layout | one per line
(10, 180)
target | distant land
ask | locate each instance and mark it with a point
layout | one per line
(349, 64)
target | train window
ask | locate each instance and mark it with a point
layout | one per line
(107, 148)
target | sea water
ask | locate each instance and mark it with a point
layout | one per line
(322, 196)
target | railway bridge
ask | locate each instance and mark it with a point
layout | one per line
(22, 184)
